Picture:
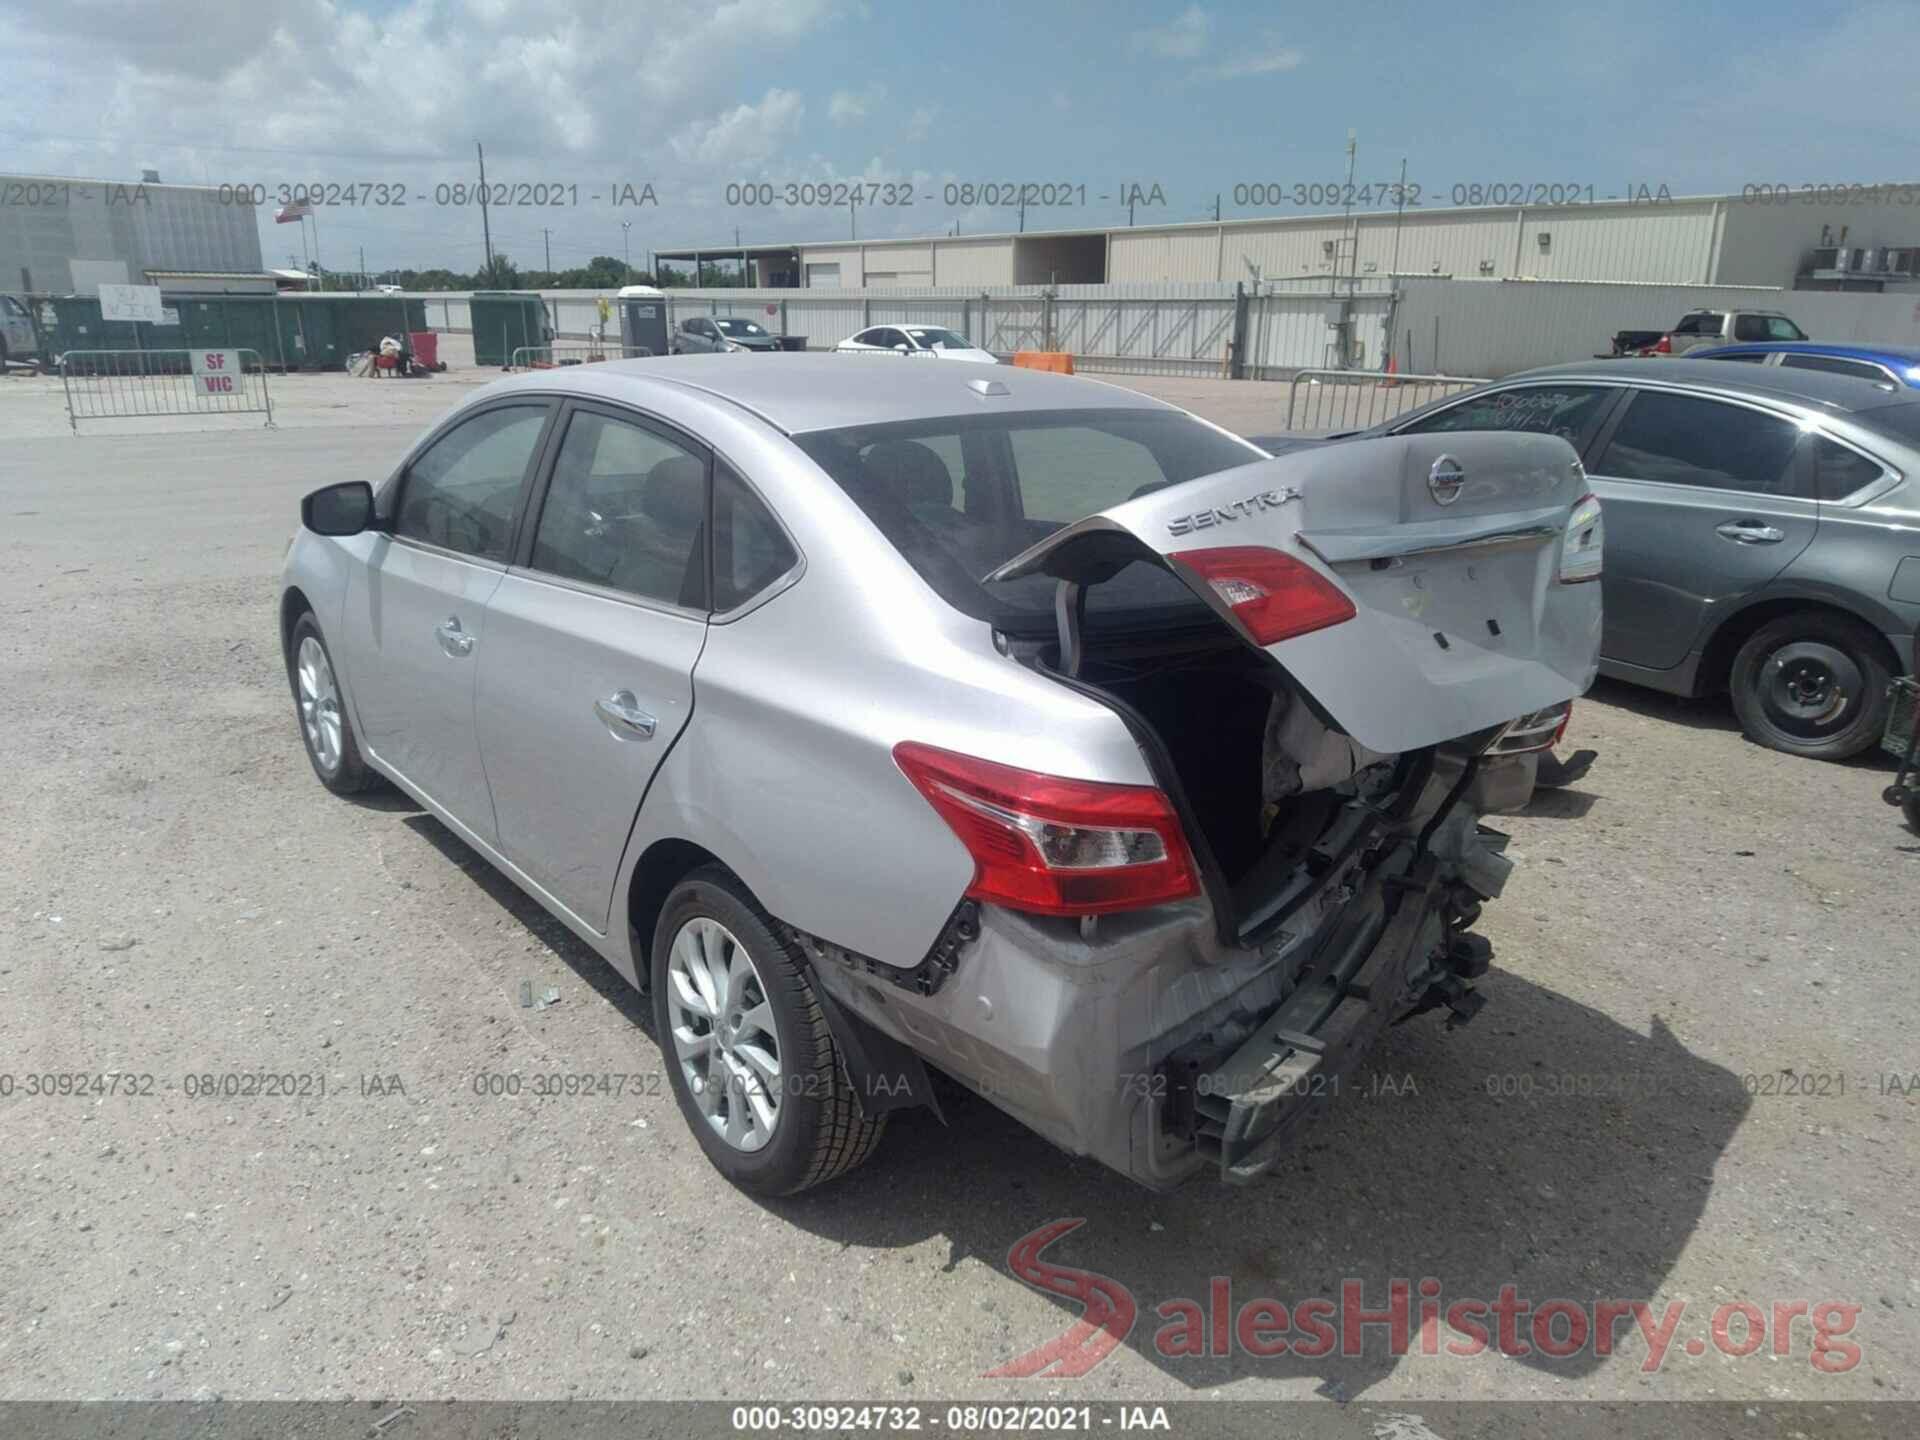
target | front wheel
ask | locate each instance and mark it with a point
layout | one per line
(749, 1054)
(325, 727)
(1812, 684)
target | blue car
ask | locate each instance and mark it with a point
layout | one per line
(1888, 364)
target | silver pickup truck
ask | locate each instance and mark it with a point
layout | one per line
(1699, 328)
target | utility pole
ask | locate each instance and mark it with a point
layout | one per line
(1353, 146)
(1023, 214)
(626, 248)
(853, 222)
(547, 236)
(486, 227)
(1400, 213)
(1216, 207)
(363, 269)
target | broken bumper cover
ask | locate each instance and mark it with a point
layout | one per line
(1160, 1051)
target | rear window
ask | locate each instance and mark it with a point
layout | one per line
(1834, 365)
(961, 495)
(1901, 421)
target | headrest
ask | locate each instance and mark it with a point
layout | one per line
(910, 471)
(675, 494)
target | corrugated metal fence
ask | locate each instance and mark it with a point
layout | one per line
(1436, 324)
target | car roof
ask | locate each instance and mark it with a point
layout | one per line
(1834, 392)
(1891, 354)
(825, 391)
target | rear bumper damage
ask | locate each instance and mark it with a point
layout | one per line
(1152, 1045)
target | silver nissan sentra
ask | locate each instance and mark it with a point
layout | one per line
(883, 719)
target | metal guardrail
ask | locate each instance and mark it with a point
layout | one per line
(126, 384)
(1355, 399)
(572, 352)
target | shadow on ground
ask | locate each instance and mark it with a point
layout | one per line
(1545, 1147)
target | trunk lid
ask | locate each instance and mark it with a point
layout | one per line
(1448, 546)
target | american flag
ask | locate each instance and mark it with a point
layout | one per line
(287, 214)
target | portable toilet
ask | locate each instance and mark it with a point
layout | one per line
(643, 320)
(504, 321)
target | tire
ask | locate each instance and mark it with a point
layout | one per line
(1812, 684)
(320, 710)
(1910, 807)
(817, 1132)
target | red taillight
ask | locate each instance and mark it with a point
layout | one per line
(1662, 346)
(1274, 595)
(1054, 846)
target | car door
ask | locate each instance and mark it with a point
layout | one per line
(414, 631)
(16, 328)
(591, 642)
(1704, 504)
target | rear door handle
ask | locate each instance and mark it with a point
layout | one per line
(455, 641)
(1750, 532)
(622, 714)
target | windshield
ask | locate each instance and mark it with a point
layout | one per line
(961, 495)
(939, 339)
(739, 327)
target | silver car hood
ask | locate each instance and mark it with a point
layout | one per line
(1461, 622)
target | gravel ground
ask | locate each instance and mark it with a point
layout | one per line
(1696, 936)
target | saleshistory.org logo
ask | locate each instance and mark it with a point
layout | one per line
(1415, 1316)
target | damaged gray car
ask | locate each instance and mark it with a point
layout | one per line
(1016, 727)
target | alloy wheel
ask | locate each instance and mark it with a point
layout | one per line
(319, 704)
(723, 1033)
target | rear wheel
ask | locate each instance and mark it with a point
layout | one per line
(749, 1055)
(1812, 684)
(325, 727)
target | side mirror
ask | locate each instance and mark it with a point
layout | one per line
(343, 509)
(904, 349)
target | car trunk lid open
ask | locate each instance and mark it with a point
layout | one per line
(1416, 589)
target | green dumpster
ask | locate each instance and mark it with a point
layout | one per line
(505, 320)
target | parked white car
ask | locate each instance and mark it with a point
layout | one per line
(922, 340)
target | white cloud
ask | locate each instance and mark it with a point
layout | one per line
(744, 135)
(848, 107)
(1181, 38)
(920, 122)
(1265, 62)
(289, 91)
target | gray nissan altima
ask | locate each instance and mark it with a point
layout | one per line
(886, 720)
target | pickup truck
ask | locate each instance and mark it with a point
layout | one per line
(1698, 328)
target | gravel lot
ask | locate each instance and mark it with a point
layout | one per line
(1695, 937)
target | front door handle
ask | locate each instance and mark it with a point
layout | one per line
(1750, 532)
(455, 641)
(622, 714)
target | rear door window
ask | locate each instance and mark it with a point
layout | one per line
(1840, 471)
(750, 550)
(626, 508)
(1687, 440)
(1748, 357)
(1701, 322)
(1573, 412)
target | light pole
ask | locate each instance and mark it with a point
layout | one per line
(626, 249)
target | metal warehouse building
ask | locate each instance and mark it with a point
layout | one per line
(60, 233)
(1855, 241)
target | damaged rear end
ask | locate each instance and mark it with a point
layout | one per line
(1385, 621)
(1325, 658)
